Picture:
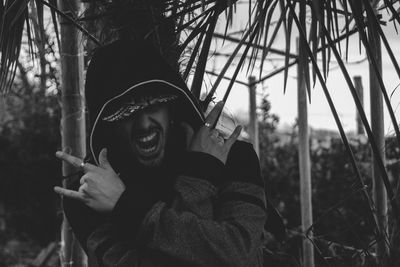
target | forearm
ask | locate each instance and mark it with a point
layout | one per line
(194, 193)
(232, 234)
(105, 249)
(229, 239)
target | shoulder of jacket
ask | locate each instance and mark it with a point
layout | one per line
(243, 164)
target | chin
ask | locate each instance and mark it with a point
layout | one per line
(152, 162)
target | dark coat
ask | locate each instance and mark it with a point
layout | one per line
(195, 210)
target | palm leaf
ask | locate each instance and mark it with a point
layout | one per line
(40, 17)
(194, 19)
(209, 96)
(54, 19)
(303, 60)
(201, 65)
(314, 36)
(373, 18)
(194, 52)
(347, 22)
(238, 67)
(11, 28)
(330, 30)
(294, 62)
(260, 15)
(29, 34)
(395, 14)
(271, 7)
(288, 34)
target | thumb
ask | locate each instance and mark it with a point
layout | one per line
(103, 161)
(188, 131)
(234, 136)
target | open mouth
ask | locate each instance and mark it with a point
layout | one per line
(148, 144)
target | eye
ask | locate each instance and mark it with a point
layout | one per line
(154, 108)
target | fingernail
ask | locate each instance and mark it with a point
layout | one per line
(59, 153)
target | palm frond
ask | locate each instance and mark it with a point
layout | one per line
(202, 61)
(303, 59)
(13, 16)
(288, 35)
(193, 55)
(372, 17)
(209, 96)
(271, 7)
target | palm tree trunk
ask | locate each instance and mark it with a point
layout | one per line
(73, 116)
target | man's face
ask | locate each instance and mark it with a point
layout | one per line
(146, 133)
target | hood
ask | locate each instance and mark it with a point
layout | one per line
(125, 68)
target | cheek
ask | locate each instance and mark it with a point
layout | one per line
(122, 132)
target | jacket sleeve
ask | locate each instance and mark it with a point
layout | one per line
(216, 219)
(233, 235)
(81, 218)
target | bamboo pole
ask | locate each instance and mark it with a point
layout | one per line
(377, 126)
(304, 163)
(73, 116)
(360, 92)
(253, 122)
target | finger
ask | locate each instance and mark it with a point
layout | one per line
(103, 160)
(84, 179)
(67, 150)
(234, 136)
(83, 189)
(69, 193)
(69, 158)
(189, 133)
(220, 141)
(214, 133)
(213, 116)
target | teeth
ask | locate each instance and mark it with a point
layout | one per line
(147, 138)
(149, 150)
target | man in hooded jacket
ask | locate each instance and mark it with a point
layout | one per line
(163, 188)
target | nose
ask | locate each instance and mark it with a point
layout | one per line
(143, 120)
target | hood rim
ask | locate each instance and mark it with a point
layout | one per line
(182, 90)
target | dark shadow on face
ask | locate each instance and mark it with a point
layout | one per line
(146, 134)
(147, 142)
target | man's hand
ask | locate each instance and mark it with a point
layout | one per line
(209, 140)
(100, 186)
